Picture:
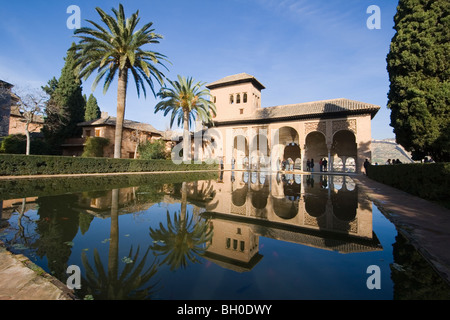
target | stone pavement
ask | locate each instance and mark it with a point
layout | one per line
(20, 279)
(425, 224)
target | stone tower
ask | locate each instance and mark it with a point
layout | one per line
(236, 96)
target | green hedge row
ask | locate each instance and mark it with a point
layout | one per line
(430, 181)
(16, 165)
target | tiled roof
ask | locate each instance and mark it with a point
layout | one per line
(316, 107)
(309, 110)
(235, 79)
(129, 124)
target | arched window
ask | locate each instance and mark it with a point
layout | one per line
(245, 98)
(231, 99)
(238, 98)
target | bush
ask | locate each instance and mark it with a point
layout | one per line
(14, 144)
(94, 147)
(15, 165)
(17, 144)
(429, 181)
(153, 150)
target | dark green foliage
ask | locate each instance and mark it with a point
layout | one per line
(65, 108)
(49, 165)
(94, 147)
(92, 111)
(430, 181)
(419, 70)
(418, 280)
(16, 144)
(51, 86)
(153, 150)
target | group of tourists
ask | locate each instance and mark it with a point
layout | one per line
(323, 165)
(393, 161)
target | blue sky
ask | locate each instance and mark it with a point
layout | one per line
(301, 50)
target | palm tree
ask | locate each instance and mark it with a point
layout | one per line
(117, 48)
(187, 101)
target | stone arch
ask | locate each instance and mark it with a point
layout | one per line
(345, 204)
(286, 144)
(239, 196)
(344, 147)
(259, 150)
(284, 208)
(240, 151)
(315, 148)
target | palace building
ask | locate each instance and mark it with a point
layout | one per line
(247, 136)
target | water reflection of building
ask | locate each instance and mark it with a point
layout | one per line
(322, 211)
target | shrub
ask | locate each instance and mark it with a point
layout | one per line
(94, 147)
(430, 181)
(38, 165)
(14, 144)
(153, 150)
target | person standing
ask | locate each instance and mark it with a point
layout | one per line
(308, 165)
(312, 165)
(366, 166)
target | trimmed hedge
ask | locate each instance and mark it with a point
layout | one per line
(16, 165)
(429, 181)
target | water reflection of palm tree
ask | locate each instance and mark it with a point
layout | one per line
(183, 239)
(132, 283)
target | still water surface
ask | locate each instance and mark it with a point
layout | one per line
(239, 235)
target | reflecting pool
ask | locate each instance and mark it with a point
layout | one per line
(232, 235)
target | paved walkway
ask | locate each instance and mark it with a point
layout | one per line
(20, 279)
(425, 224)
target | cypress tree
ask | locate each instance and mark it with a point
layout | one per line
(66, 106)
(92, 109)
(419, 67)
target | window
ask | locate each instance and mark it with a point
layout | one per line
(241, 111)
(215, 99)
(97, 132)
(242, 247)
(228, 244)
(238, 98)
(231, 99)
(245, 98)
(88, 133)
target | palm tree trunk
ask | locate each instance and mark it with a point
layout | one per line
(186, 138)
(113, 256)
(121, 100)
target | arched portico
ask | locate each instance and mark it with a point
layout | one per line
(315, 148)
(344, 148)
(240, 152)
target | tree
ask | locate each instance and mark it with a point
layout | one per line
(186, 101)
(31, 105)
(65, 108)
(153, 150)
(92, 111)
(419, 68)
(115, 49)
(94, 147)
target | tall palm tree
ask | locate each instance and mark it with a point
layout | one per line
(188, 101)
(117, 49)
